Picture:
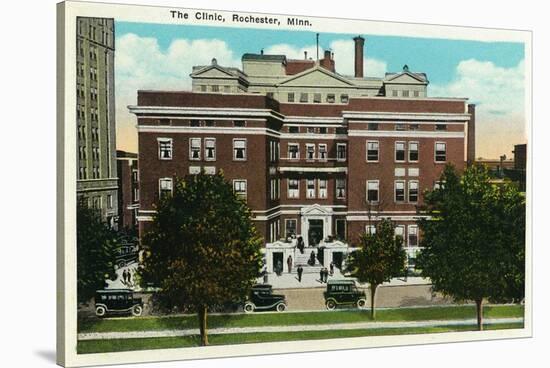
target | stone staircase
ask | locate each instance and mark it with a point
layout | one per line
(302, 259)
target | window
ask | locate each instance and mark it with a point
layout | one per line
(370, 229)
(341, 151)
(340, 188)
(293, 129)
(344, 98)
(399, 191)
(215, 88)
(414, 126)
(136, 195)
(290, 227)
(400, 151)
(165, 122)
(413, 236)
(310, 151)
(310, 188)
(331, 98)
(322, 188)
(406, 93)
(210, 149)
(239, 149)
(400, 127)
(165, 148)
(439, 184)
(440, 126)
(303, 97)
(109, 201)
(372, 151)
(239, 186)
(195, 123)
(293, 151)
(209, 123)
(323, 152)
(413, 191)
(203, 88)
(413, 151)
(323, 130)
(372, 190)
(290, 97)
(440, 152)
(135, 177)
(194, 170)
(416, 93)
(239, 123)
(414, 171)
(194, 148)
(394, 93)
(317, 97)
(341, 229)
(341, 130)
(165, 187)
(372, 126)
(400, 232)
(293, 188)
(311, 130)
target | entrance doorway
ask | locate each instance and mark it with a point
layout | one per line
(337, 258)
(315, 232)
(278, 262)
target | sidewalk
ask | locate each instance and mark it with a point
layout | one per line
(312, 280)
(296, 328)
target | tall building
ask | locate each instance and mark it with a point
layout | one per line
(95, 108)
(318, 156)
(128, 190)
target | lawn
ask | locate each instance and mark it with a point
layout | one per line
(103, 346)
(304, 318)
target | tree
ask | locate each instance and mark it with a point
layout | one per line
(380, 258)
(203, 249)
(96, 245)
(474, 238)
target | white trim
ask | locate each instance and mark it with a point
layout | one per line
(409, 191)
(144, 218)
(245, 184)
(313, 169)
(191, 158)
(378, 212)
(377, 151)
(288, 151)
(312, 136)
(165, 139)
(409, 227)
(377, 191)
(405, 115)
(288, 188)
(314, 193)
(405, 134)
(245, 156)
(205, 149)
(404, 152)
(400, 218)
(395, 191)
(435, 152)
(171, 182)
(303, 120)
(207, 130)
(409, 151)
(225, 111)
(308, 145)
(346, 152)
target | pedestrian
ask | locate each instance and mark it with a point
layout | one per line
(289, 263)
(312, 259)
(300, 270)
(325, 271)
(124, 276)
(129, 278)
(279, 268)
(321, 275)
(300, 245)
(331, 268)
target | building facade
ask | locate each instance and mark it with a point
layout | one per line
(317, 156)
(96, 156)
(128, 190)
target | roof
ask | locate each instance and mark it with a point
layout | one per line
(341, 282)
(263, 57)
(115, 291)
(120, 154)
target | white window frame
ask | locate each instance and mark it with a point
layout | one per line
(377, 182)
(435, 152)
(240, 193)
(370, 229)
(297, 151)
(395, 191)
(325, 150)
(412, 230)
(417, 151)
(235, 151)
(336, 188)
(322, 192)
(377, 151)
(411, 182)
(308, 146)
(288, 189)
(159, 141)
(171, 181)
(295, 226)
(404, 151)
(310, 193)
(206, 158)
(345, 152)
(191, 158)
(402, 227)
(336, 226)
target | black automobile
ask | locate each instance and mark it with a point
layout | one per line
(343, 293)
(126, 254)
(117, 301)
(262, 298)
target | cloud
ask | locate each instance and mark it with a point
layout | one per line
(499, 97)
(344, 56)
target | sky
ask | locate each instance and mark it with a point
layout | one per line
(490, 74)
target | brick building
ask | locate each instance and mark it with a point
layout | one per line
(317, 155)
(128, 190)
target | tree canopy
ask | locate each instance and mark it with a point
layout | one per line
(474, 238)
(380, 258)
(203, 250)
(96, 246)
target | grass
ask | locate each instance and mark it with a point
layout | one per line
(288, 319)
(103, 346)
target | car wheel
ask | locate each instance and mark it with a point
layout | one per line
(249, 308)
(331, 305)
(100, 311)
(121, 264)
(361, 303)
(137, 310)
(281, 307)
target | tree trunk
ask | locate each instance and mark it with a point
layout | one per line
(202, 325)
(372, 304)
(479, 310)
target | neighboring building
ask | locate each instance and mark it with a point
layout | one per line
(128, 190)
(95, 108)
(496, 166)
(326, 169)
(520, 156)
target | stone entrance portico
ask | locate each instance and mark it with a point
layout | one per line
(309, 215)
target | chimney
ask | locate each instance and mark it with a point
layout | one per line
(327, 61)
(359, 44)
(471, 142)
(305, 55)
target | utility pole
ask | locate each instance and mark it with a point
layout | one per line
(317, 35)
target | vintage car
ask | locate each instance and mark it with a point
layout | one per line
(343, 293)
(262, 298)
(126, 254)
(117, 301)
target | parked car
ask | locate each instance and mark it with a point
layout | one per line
(117, 301)
(344, 293)
(262, 298)
(126, 254)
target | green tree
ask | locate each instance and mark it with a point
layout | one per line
(203, 250)
(380, 258)
(474, 238)
(96, 245)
